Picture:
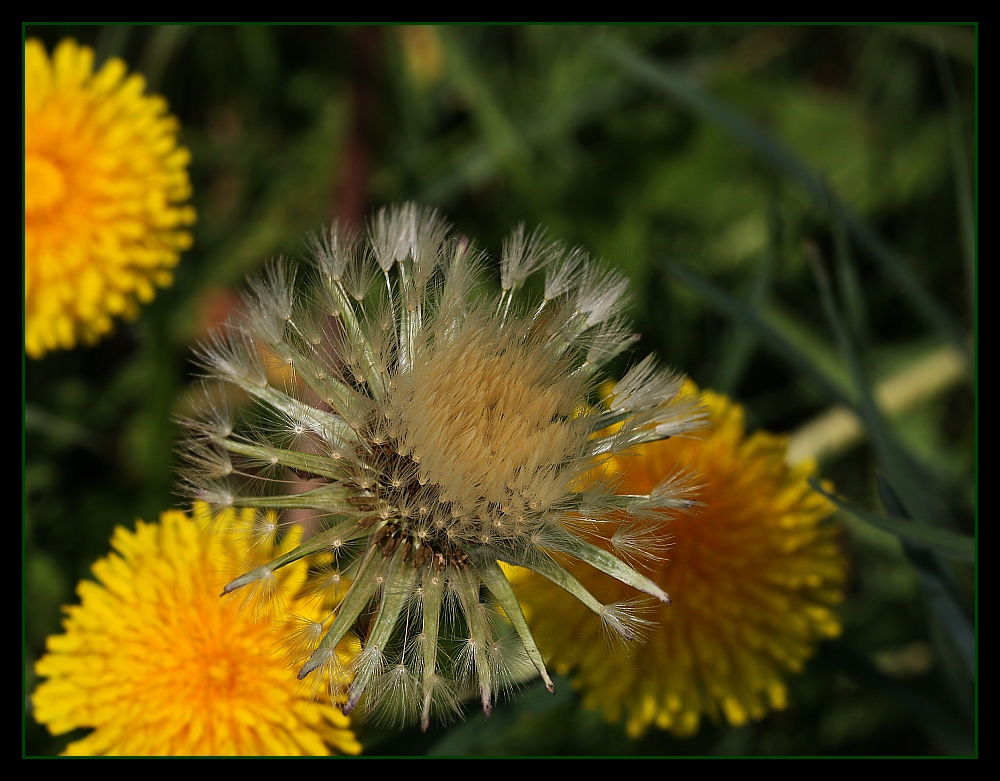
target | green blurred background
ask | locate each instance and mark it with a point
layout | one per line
(795, 206)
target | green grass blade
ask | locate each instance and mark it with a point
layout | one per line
(944, 541)
(964, 188)
(920, 501)
(945, 602)
(747, 316)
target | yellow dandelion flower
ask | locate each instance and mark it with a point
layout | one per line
(157, 664)
(104, 191)
(753, 572)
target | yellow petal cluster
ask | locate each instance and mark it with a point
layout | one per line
(156, 663)
(105, 186)
(753, 572)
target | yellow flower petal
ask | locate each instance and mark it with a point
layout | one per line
(753, 574)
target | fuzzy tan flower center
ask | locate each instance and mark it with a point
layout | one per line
(481, 417)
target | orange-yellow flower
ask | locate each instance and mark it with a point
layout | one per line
(753, 572)
(105, 186)
(157, 664)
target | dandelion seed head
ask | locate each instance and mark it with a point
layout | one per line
(457, 430)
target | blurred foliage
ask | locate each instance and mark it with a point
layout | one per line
(795, 206)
